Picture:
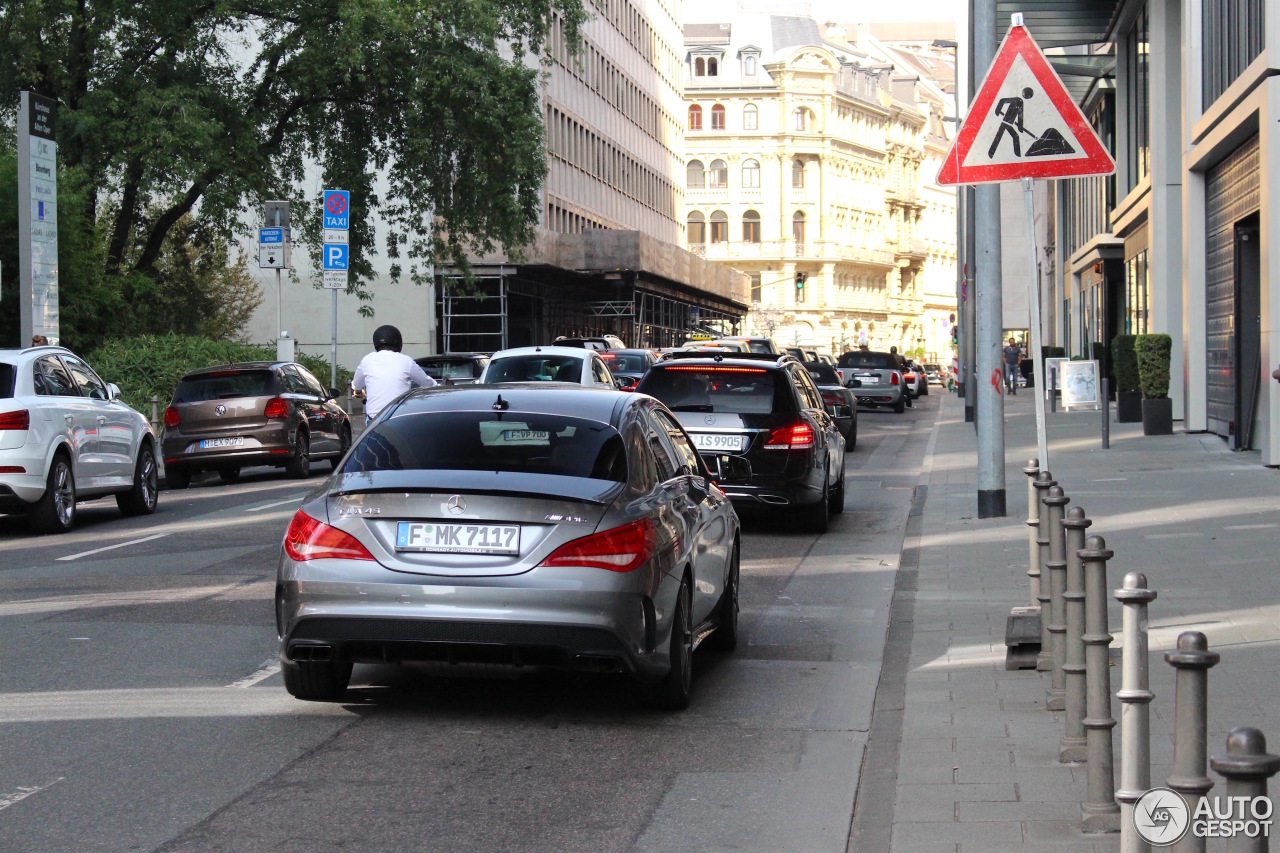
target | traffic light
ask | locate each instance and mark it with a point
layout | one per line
(801, 277)
(955, 334)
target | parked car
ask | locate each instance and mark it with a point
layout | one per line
(454, 368)
(762, 428)
(628, 365)
(235, 416)
(548, 364)
(879, 377)
(562, 527)
(933, 373)
(601, 344)
(839, 400)
(718, 346)
(827, 359)
(66, 436)
(765, 346)
(917, 385)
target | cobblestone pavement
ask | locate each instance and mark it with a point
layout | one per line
(977, 760)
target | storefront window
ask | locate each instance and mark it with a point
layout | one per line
(1138, 294)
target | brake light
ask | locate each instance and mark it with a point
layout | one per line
(171, 418)
(20, 419)
(608, 356)
(911, 377)
(621, 549)
(794, 437)
(720, 369)
(895, 378)
(277, 408)
(311, 539)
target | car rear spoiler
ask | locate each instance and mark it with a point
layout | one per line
(472, 482)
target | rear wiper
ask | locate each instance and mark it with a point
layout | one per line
(694, 407)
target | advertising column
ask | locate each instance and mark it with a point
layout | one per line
(37, 218)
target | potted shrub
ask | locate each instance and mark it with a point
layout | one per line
(1152, 352)
(1128, 389)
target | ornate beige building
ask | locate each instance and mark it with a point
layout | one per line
(805, 169)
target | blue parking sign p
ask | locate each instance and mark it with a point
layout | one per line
(335, 256)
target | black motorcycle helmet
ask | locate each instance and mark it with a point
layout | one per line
(387, 337)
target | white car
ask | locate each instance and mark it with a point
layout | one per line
(65, 437)
(548, 364)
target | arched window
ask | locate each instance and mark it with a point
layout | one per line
(750, 117)
(695, 117)
(800, 119)
(749, 65)
(713, 68)
(751, 227)
(719, 227)
(797, 173)
(797, 228)
(717, 117)
(699, 67)
(751, 175)
(695, 179)
(719, 175)
(696, 229)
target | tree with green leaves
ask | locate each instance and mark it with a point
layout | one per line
(429, 111)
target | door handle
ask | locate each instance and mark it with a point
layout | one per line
(67, 418)
(102, 419)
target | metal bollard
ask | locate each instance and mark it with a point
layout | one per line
(1135, 711)
(1057, 568)
(1192, 659)
(1247, 766)
(1099, 813)
(1044, 482)
(1106, 415)
(1073, 745)
(155, 412)
(1033, 528)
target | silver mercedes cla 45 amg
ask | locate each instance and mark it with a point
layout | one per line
(538, 525)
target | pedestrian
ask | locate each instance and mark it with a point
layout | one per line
(386, 373)
(1012, 355)
(39, 341)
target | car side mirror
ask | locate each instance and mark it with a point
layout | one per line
(334, 393)
(113, 391)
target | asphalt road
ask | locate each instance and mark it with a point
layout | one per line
(141, 707)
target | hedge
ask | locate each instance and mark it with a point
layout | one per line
(1153, 353)
(1125, 361)
(153, 364)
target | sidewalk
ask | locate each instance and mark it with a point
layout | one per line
(978, 761)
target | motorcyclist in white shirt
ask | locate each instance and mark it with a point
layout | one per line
(386, 373)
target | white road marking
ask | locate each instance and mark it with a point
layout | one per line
(111, 547)
(1171, 535)
(63, 603)
(158, 703)
(1248, 527)
(276, 504)
(24, 791)
(268, 669)
(1112, 480)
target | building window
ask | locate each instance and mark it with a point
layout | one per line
(699, 67)
(695, 117)
(1233, 34)
(1138, 284)
(751, 175)
(751, 227)
(1137, 42)
(797, 228)
(717, 117)
(719, 227)
(755, 288)
(797, 173)
(749, 65)
(719, 175)
(713, 68)
(750, 117)
(696, 229)
(800, 119)
(694, 175)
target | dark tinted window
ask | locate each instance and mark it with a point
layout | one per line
(309, 379)
(448, 368)
(627, 362)
(685, 454)
(51, 378)
(870, 360)
(8, 374)
(823, 374)
(690, 388)
(762, 347)
(225, 385)
(535, 368)
(90, 384)
(491, 441)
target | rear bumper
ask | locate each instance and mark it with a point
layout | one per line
(884, 396)
(764, 493)
(269, 446)
(18, 491)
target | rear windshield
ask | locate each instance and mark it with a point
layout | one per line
(930, 366)
(870, 360)
(823, 374)
(629, 362)
(535, 368)
(492, 441)
(440, 368)
(761, 347)
(224, 385)
(7, 374)
(692, 388)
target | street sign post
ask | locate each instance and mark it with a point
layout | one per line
(1023, 125)
(275, 241)
(335, 256)
(37, 218)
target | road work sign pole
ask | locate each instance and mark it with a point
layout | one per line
(1033, 297)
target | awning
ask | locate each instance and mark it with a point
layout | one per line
(1059, 23)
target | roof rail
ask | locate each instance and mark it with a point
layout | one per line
(727, 356)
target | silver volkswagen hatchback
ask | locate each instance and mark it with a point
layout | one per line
(519, 524)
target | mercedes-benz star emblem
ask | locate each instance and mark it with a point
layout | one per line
(457, 505)
(219, 410)
(710, 419)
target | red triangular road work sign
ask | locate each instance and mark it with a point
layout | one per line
(1023, 124)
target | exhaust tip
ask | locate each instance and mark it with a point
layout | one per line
(310, 652)
(774, 499)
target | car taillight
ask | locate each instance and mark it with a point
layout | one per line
(621, 549)
(171, 418)
(793, 437)
(911, 377)
(277, 407)
(20, 419)
(895, 378)
(311, 539)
